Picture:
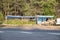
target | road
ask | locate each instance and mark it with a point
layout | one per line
(19, 34)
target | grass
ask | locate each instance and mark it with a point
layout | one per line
(19, 22)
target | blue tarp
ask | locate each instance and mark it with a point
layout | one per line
(42, 18)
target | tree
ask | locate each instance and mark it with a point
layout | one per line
(28, 7)
(1, 17)
(49, 6)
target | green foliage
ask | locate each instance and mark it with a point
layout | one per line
(18, 22)
(1, 17)
(28, 7)
(48, 6)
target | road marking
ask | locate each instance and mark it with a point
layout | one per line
(54, 33)
(17, 31)
(25, 32)
(1, 31)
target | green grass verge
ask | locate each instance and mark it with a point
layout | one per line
(18, 22)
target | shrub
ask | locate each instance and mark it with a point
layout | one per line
(19, 22)
(1, 18)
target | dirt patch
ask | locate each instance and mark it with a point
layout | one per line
(30, 26)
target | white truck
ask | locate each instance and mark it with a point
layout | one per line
(58, 21)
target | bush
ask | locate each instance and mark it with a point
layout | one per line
(1, 18)
(19, 22)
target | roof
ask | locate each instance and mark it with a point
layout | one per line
(20, 16)
(10, 16)
(46, 16)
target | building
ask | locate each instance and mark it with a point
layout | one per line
(38, 19)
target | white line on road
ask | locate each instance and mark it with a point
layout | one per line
(25, 32)
(54, 33)
(1, 31)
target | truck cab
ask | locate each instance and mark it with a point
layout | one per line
(57, 21)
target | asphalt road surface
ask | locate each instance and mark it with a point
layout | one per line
(19, 34)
